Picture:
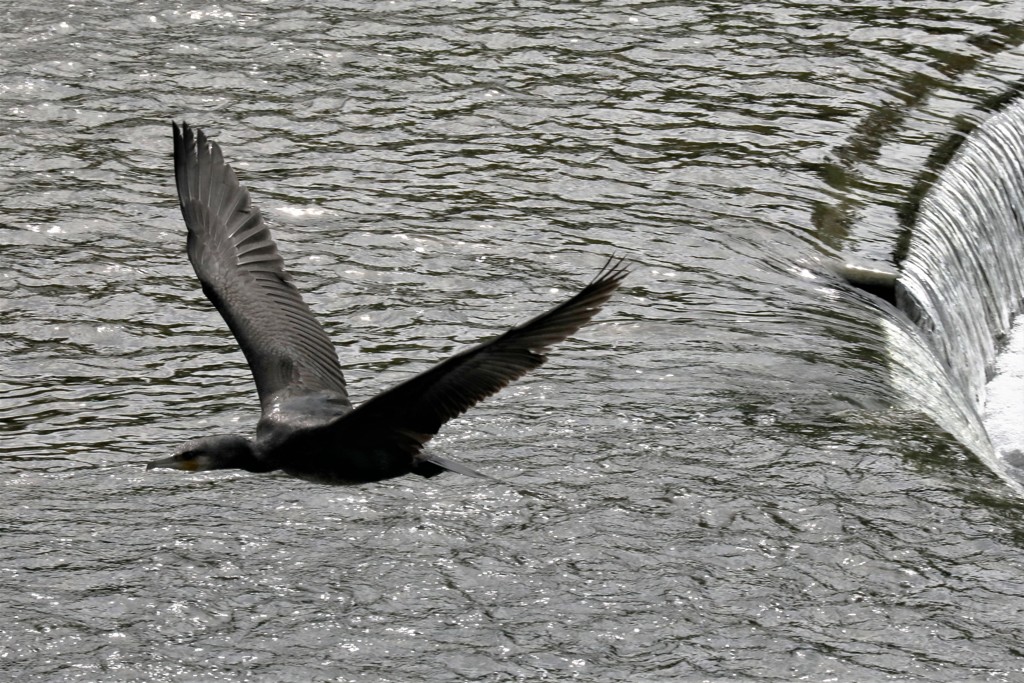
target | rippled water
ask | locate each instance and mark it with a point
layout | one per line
(721, 479)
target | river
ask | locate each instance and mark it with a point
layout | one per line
(745, 469)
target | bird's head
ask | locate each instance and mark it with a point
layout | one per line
(211, 453)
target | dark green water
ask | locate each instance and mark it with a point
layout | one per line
(725, 478)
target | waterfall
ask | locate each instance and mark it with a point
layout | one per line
(962, 281)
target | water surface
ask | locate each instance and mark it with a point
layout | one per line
(724, 478)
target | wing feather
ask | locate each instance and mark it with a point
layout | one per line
(419, 406)
(243, 275)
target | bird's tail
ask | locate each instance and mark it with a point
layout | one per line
(429, 465)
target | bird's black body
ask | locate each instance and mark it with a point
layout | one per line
(308, 427)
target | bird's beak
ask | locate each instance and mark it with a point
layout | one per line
(175, 462)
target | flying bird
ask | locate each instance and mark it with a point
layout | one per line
(308, 427)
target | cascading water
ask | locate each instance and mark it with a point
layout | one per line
(962, 281)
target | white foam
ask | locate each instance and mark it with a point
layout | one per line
(1004, 400)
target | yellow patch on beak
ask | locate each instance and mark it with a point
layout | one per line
(176, 462)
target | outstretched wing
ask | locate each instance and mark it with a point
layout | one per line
(407, 415)
(242, 274)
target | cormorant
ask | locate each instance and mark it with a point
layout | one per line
(308, 427)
